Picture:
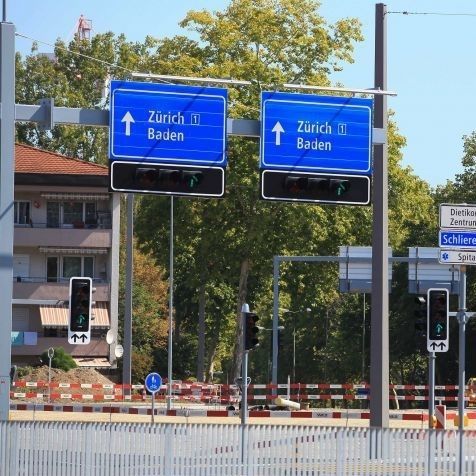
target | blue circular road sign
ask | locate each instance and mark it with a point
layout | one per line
(153, 382)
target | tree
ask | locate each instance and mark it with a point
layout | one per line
(61, 360)
(297, 45)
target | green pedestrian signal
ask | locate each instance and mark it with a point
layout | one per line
(80, 307)
(437, 320)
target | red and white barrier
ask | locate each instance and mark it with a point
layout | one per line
(440, 415)
(201, 392)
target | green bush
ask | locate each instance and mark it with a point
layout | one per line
(61, 360)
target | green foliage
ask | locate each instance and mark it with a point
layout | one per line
(24, 370)
(61, 360)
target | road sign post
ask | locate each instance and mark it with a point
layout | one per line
(153, 382)
(315, 148)
(458, 240)
(180, 128)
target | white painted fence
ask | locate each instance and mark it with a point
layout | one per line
(110, 449)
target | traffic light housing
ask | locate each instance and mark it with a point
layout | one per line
(438, 313)
(80, 306)
(421, 315)
(250, 330)
(168, 179)
(314, 187)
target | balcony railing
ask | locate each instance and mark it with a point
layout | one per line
(103, 221)
(36, 279)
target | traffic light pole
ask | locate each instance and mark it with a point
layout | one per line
(431, 390)
(244, 389)
(379, 338)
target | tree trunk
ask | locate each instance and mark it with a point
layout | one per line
(201, 333)
(242, 292)
(211, 360)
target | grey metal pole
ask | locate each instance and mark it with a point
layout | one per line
(51, 353)
(171, 305)
(7, 166)
(462, 346)
(244, 389)
(379, 353)
(462, 319)
(4, 17)
(127, 359)
(294, 347)
(431, 383)
(274, 373)
(363, 341)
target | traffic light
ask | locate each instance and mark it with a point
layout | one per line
(421, 315)
(251, 330)
(167, 179)
(438, 312)
(80, 303)
(315, 187)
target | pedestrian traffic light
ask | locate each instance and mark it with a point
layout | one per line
(80, 304)
(251, 330)
(421, 315)
(167, 179)
(315, 187)
(438, 312)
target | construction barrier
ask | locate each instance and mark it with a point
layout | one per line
(225, 394)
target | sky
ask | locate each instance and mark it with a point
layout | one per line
(430, 64)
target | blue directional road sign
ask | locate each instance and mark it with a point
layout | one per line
(304, 132)
(163, 123)
(457, 239)
(153, 382)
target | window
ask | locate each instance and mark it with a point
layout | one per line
(70, 266)
(22, 213)
(70, 213)
(52, 269)
(78, 266)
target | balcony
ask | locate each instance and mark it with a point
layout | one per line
(77, 235)
(40, 289)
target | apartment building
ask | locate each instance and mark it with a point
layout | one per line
(66, 224)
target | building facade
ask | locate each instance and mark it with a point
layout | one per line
(66, 224)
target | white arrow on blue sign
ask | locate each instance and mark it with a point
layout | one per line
(152, 122)
(306, 132)
(457, 239)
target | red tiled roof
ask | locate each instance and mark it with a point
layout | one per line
(30, 160)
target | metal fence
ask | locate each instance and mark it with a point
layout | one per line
(73, 448)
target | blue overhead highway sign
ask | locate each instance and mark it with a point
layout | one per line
(166, 123)
(304, 132)
(457, 239)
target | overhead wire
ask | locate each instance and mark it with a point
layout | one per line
(448, 14)
(111, 65)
